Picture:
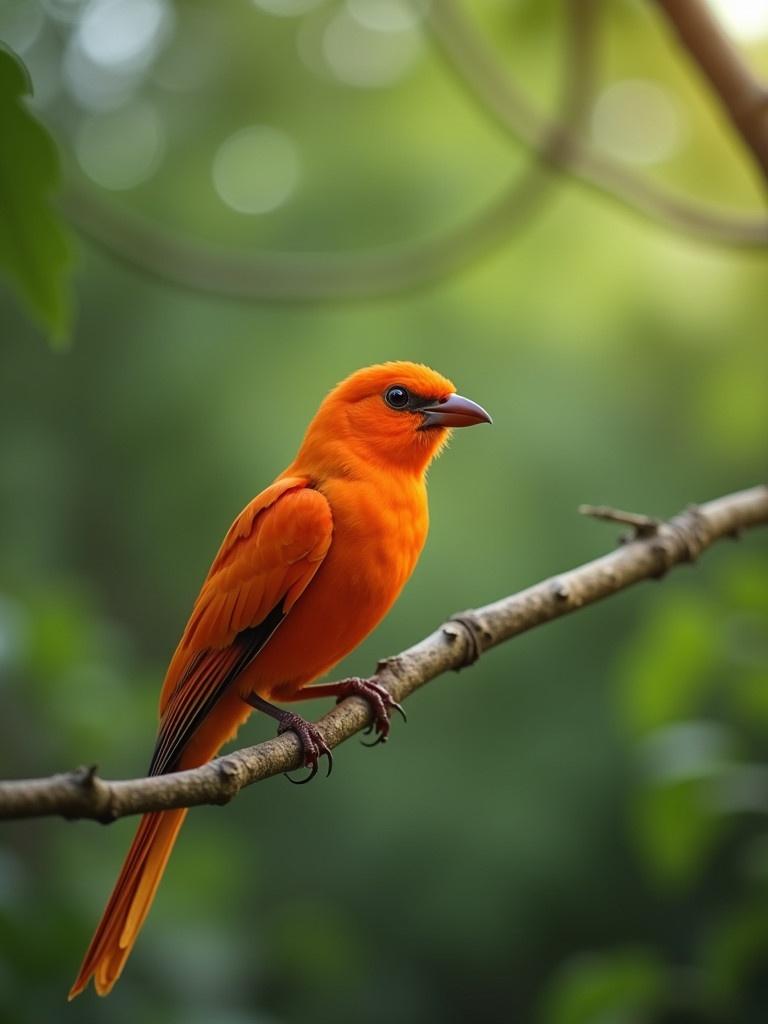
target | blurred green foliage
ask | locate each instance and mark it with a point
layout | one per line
(575, 829)
(623, 986)
(33, 246)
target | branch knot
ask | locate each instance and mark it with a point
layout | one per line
(691, 531)
(475, 632)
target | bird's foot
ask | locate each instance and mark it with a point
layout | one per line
(312, 744)
(381, 701)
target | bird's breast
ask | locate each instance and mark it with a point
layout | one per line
(378, 534)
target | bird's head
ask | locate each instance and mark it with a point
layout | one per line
(396, 414)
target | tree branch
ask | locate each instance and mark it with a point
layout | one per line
(376, 272)
(458, 642)
(366, 273)
(743, 97)
(309, 277)
(478, 68)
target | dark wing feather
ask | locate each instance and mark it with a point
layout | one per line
(268, 558)
(210, 675)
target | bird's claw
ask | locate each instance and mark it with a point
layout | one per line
(382, 704)
(312, 744)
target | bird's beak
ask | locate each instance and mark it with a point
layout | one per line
(454, 411)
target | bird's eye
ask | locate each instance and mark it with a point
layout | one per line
(396, 397)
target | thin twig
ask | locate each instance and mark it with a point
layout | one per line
(476, 63)
(310, 277)
(456, 643)
(387, 270)
(643, 526)
(743, 97)
(367, 273)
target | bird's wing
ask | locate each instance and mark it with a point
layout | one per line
(270, 554)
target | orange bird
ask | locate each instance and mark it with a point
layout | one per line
(306, 571)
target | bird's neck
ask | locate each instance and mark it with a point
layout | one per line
(335, 458)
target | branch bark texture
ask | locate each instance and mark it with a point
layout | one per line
(657, 548)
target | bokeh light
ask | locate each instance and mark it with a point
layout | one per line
(286, 8)
(93, 86)
(387, 15)
(111, 49)
(360, 55)
(122, 149)
(637, 121)
(256, 169)
(746, 20)
(124, 33)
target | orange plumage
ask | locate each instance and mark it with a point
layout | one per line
(305, 572)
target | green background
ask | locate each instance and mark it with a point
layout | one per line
(574, 830)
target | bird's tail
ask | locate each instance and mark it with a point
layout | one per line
(130, 901)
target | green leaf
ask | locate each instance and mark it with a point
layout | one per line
(621, 988)
(667, 671)
(679, 814)
(676, 827)
(34, 248)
